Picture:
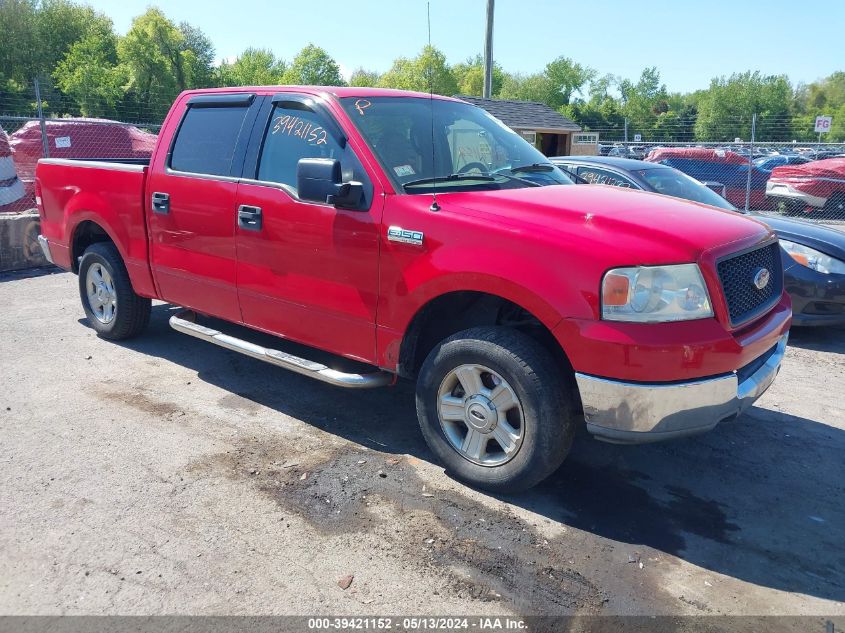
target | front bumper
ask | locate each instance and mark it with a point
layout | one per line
(818, 299)
(783, 190)
(634, 413)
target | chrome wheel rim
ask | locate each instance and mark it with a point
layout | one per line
(480, 415)
(102, 298)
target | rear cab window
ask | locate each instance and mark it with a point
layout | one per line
(206, 140)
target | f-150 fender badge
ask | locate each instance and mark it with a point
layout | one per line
(398, 234)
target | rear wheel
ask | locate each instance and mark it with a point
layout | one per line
(493, 406)
(111, 305)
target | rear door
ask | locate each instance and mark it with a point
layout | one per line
(306, 271)
(191, 206)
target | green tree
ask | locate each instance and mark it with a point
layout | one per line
(34, 37)
(427, 71)
(565, 78)
(534, 87)
(253, 67)
(198, 55)
(19, 40)
(601, 112)
(151, 51)
(643, 101)
(59, 25)
(90, 74)
(555, 86)
(364, 78)
(315, 67)
(726, 108)
(823, 97)
(470, 77)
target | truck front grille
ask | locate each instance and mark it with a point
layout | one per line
(738, 273)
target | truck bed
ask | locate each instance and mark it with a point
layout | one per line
(108, 192)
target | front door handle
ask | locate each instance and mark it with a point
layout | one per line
(161, 202)
(249, 217)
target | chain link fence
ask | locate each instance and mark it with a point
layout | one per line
(754, 162)
(37, 124)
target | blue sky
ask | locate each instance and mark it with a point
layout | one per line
(689, 42)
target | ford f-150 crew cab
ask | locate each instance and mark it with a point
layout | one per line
(421, 238)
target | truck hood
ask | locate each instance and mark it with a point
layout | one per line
(638, 226)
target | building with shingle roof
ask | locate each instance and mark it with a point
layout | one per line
(544, 127)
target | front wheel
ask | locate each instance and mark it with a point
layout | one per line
(111, 305)
(494, 407)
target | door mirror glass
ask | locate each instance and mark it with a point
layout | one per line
(321, 180)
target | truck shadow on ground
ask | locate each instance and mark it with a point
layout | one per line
(761, 499)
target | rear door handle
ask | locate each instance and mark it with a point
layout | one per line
(161, 202)
(249, 217)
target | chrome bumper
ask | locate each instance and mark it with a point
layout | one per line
(45, 247)
(788, 191)
(633, 413)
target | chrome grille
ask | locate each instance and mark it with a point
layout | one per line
(737, 272)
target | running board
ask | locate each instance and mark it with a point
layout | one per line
(181, 322)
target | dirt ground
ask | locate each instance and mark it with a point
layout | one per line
(165, 475)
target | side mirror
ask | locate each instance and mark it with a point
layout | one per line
(321, 180)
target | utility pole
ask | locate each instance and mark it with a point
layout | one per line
(45, 144)
(750, 161)
(488, 53)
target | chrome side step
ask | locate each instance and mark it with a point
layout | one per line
(182, 322)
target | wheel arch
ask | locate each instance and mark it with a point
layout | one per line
(451, 312)
(86, 232)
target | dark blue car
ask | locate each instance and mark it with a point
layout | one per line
(814, 256)
(768, 163)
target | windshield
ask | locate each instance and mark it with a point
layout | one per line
(425, 144)
(672, 182)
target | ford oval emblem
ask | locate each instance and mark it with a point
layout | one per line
(761, 278)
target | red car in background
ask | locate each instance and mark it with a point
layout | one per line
(77, 138)
(812, 186)
(11, 188)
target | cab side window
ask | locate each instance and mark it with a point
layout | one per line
(597, 176)
(295, 133)
(206, 139)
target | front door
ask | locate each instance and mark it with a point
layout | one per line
(307, 271)
(191, 206)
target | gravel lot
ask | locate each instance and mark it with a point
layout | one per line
(165, 475)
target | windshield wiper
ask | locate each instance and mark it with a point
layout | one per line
(449, 178)
(533, 167)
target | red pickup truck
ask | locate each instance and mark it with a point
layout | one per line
(423, 238)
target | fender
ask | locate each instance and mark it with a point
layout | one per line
(87, 206)
(519, 280)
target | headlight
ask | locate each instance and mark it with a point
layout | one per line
(811, 258)
(655, 293)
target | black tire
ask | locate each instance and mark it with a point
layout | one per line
(541, 388)
(131, 312)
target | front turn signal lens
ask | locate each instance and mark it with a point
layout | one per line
(615, 290)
